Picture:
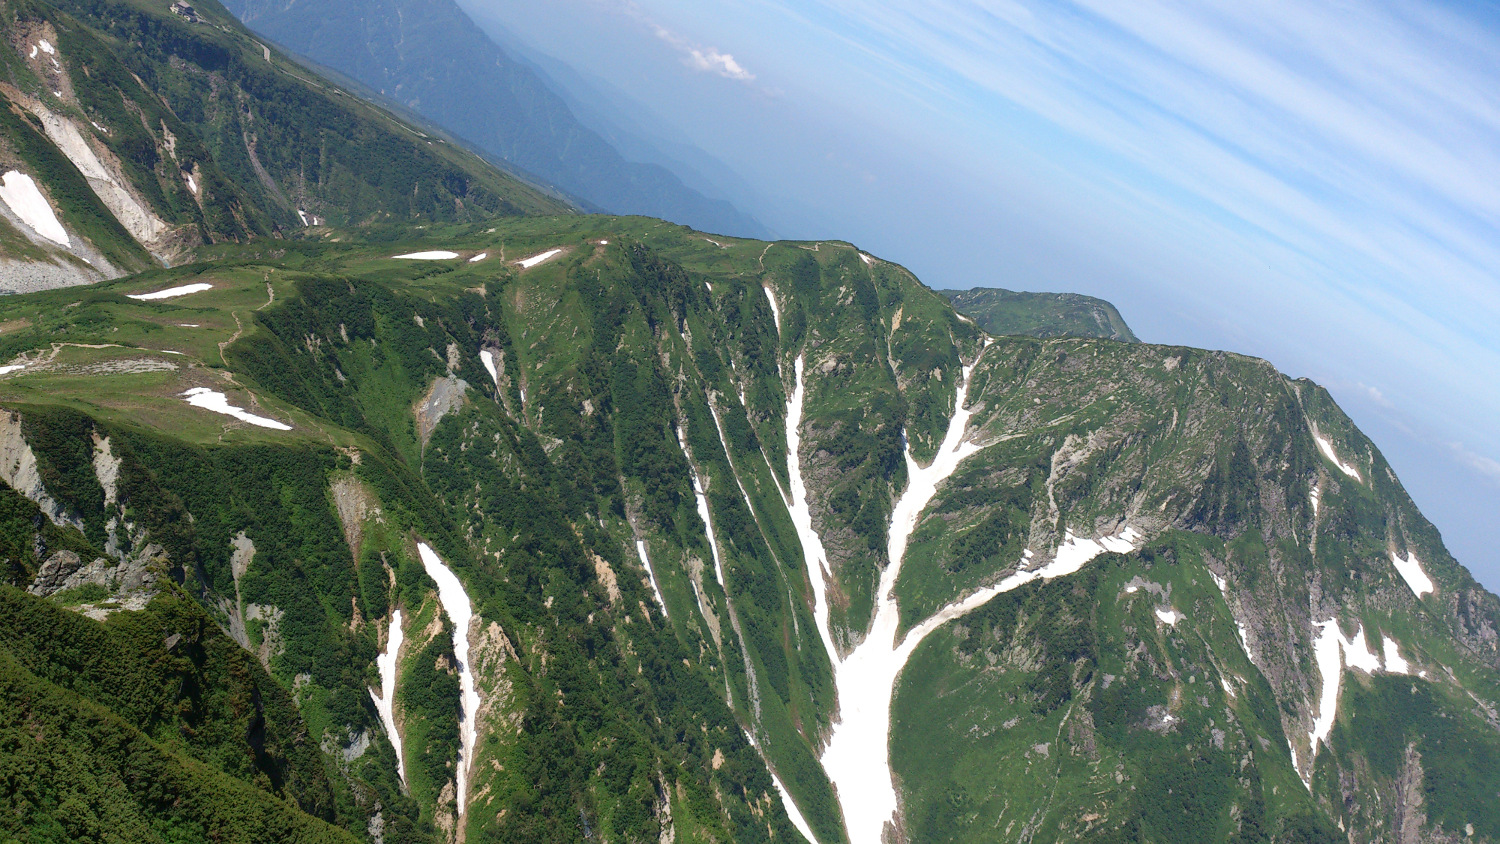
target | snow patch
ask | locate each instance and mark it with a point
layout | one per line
(480, 257)
(487, 358)
(1330, 672)
(776, 315)
(385, 701)
(1169, 616)
(1394, 664)
(456, 604)
(528, 263)
(640, 550)
(192, 185)
(171, 292)
(1327, 448)
(1357, 653)
(46, 47)
(792, 811)
(9, 368)
(433, 255)
(1411, 571)
(20, 193)
(217, 402)
(1316, 497)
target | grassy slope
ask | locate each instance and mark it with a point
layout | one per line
(1001, 312)
(613, 348)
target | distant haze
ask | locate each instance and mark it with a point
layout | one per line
(1313, 183)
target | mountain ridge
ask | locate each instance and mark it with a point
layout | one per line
(435, 60)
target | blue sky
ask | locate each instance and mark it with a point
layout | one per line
(1313, 183)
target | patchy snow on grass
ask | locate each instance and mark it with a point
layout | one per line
(20, 193)
(171, 292)
(480, 257)
(302, 215)
(1411, 571)
(640, 550)
(433, 255)
(217, 402)
(866, 258)
(1169, 616)
(1327, 448)
(384, 702)
(528, 263)
(460, 611)
(1394, 664)
(9, 368)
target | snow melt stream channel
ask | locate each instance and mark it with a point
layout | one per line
(456, 604)
(857, 758)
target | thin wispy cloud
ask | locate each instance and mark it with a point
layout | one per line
(701, 58)
(1354, 147)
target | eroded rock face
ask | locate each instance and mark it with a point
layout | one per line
(443, 397)
(18, 468)
(128, 584)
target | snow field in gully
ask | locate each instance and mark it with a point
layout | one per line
(857, 758)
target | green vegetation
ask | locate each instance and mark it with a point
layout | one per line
(1003, 312)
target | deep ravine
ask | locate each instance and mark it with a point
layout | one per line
(857, 758)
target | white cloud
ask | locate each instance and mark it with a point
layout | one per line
(713, 61)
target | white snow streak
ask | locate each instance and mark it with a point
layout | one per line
(1411, 571)
(857, 756)
(528, 263)
(776, 315)
(1330, 672)
(1169, 617)
(456, 604)
(792, 811)
(434, 255)
(801, 513)
(46, 47)
(20, 193)
(217, 402)
(385, 701)
(9, 368)
(640, 549)
(1327, 448)
(171, 292)
(708, 522)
